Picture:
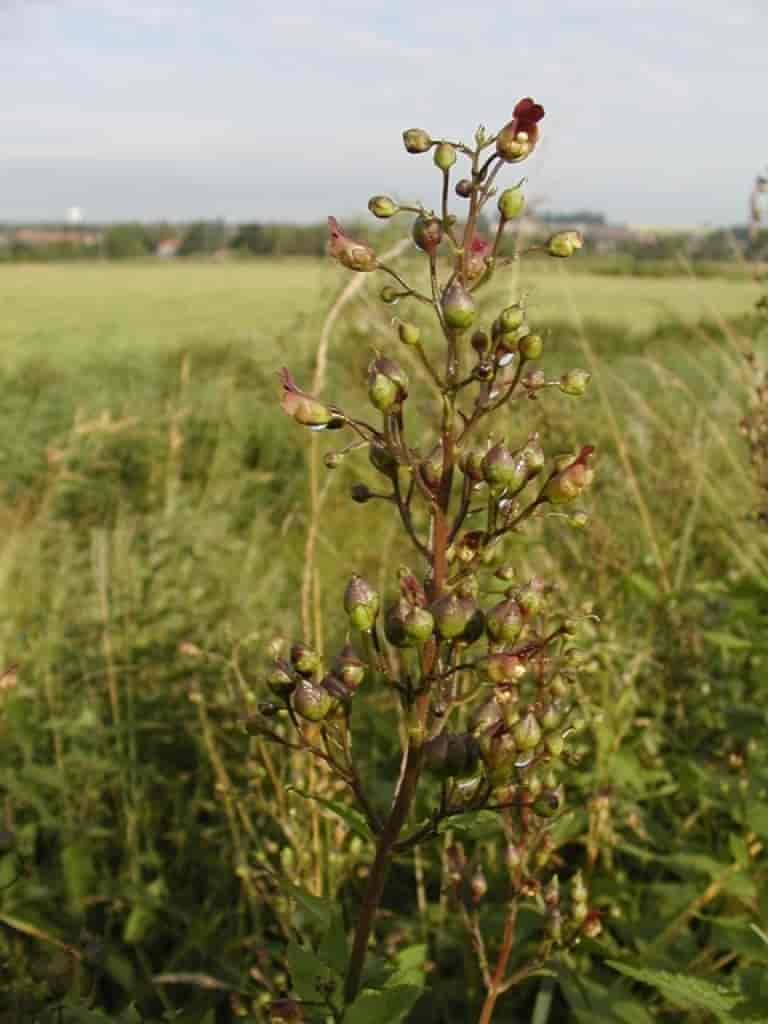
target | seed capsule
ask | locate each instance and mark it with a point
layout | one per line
(311, 702)
(416, 140)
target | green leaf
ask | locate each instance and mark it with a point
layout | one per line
(684, 990)
(333, 945)
(409, 967)
(353, 819)
(472, 824)
(307, 972)
(738, 848)
(316, 907)
(387, 1006)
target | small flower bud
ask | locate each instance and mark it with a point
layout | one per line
(572, 481)
(349, 668)
(281, 680)
(382, 207)
(530, 597)
(408, 626)
(547, 803)
(503, 469)
(352, 255)
(361, 493)
(554, 743)
(534, 380)
(478, 885)
(564, 244)
(574, 382)
(305, 409)
(311, 702)
(416, 140)
(389, 294)
(505, 622)
(511, 318)
(459, 309)
(387, 384)
(427, 233)
(511, 203)
(463, 188)
(304, 659)
(471, 461)
(531, 346)
(480, 342)
(504, 667)
(551, 716)
(527, 732)
(361, 603)
(456, 617)
(444, 156)
(409, 334)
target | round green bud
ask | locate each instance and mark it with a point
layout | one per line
(531, 346)
(409, 334)
(311, 702)
(281, 680)
(387, 384)
(304, 659)
(511, 318)
(459, 309)
(416, 140)
(564, 244)
(445, 156)
(527, 732)
(574, 382)
(389, 294)
(511, 203)
(349, 668)
(382, 207)
(361, 603)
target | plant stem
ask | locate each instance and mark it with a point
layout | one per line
(497, 981)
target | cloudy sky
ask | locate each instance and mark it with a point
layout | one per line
(657, 110)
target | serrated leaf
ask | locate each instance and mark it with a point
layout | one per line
(353, 819)
(307, 972)
(386, 1006)
(684, 990)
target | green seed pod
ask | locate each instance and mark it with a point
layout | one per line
(427, 233)
(409, 334)
(304, 659)
(505, 622)
(572, 481)
(503, 469)
(416, 140)
(531, 346)
(361, 603)
(530, 596)
(527, 732)
(382, 207)
(408, 626)
(511, 318)
(574, 382)
(456, 617)
(554, 743)
(471, 461)
(444, 156)
(534, 455)
(387, 384)
(311, 702)
(552, 715)
(349, 668)
(564, 244)
(511, 203)
(459, 309)
(281, 680)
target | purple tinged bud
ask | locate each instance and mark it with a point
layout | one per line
(311, 702)
(408, 626)
(570, 482)
(511, 203)
(534, 380)
(471, 461)
(486, 716)
(409, 334)
(444, 156)
(592, 926)
(382, 207)
(361, 603)
(574, 382)
(527, 732)
(449, 755)
(416, 140)
(304, 659)
(504, 667)
(564, 244)
(480, 342)
(427, 233)
(382, 459)
(453, 615)
(530, 596)
(463, 188)
(349, 668)
(351, 254)
(459, 309)
(505, 622)
(387, 384)
(305, 409)
(503, 469)
(531, 346)
(534, 455)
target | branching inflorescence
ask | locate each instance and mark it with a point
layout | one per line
(482, 661)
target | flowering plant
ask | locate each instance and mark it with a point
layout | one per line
(481, 660)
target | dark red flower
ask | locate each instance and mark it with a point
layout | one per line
(479, 251)
(517, 139)
(351, 254)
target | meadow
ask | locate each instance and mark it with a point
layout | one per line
(154, 509)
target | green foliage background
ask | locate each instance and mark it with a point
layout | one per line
(153, 509)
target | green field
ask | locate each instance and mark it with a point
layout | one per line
(153, 514)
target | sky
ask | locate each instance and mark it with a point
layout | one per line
(657, 110)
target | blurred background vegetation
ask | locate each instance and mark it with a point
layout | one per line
(153, 513)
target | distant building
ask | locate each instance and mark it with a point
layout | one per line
(43, 236)
(167, 248)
